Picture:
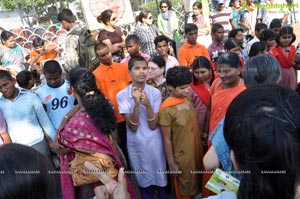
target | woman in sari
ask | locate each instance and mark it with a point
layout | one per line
(223, 91)
(86, 128)
(203, 77)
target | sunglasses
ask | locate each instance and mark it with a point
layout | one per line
(150, 17)
(113, 19)
(163, 6)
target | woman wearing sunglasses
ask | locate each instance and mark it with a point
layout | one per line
(146, 32)
(167, 23)
(111, 34)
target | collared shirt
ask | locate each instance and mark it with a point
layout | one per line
(144, 141)
(110, 80)
(171, 62)
(126, 59)
(70, 50)
(26, 119)
(214, 48)
(187, 53)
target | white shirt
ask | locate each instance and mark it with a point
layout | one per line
(58, 101)
(145, 146)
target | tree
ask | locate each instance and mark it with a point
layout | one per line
(31, 10)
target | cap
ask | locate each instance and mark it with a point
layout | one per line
(220, 1)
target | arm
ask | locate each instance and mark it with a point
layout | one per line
(6, 138)
(33, 60)
(151, 117)
(132, 120)
(43, 118)
(166, 133)
(285, 18)
(210, 159)
(181, 58)
(113, 47)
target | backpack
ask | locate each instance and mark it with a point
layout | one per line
(85, 49)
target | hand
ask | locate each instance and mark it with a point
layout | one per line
(111, 188)
(174, 168)
(73, 111)
(144, 99)
(136, 94)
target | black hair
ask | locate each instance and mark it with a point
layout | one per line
(4, 73)
(5, 35)
(215, 27)
(234, 32)
(231, 43)
(256, 48)
(169, 3)
(38, 42)
(66, 15)
(286, 30)
(159, 61)
(198, 4)
(96, 105)
(52, 67)
(132, 37)
(267, 34)
(230, 58)
(178, 76)
(275, 23)
(261, 127)
(190, 27)
(202, 62)
(34, 178)
(23, 78)
(105, 16)
(134, 59)
(143, 14)
(100, 46)
(260, 26)
(160, 38)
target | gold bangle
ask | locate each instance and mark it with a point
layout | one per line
(133, 123)
(150, 120)
(67, 117)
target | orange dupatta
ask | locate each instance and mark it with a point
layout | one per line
(171, 101)
(201, 91)
(220, 102)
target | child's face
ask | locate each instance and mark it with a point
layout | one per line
(191, 37)
(240, 37)
(276, 30)
(132, 48)
(196, 10)
(180, 91)
(202, 74)
(236, 49)
(53, 80)
(139, 72)
(285, 40)
(39, 49)
(219, 35)
(270, 42)
(162, 48)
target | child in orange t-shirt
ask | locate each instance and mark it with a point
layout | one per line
(40, 53)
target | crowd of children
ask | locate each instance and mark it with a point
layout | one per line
(164, 115)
